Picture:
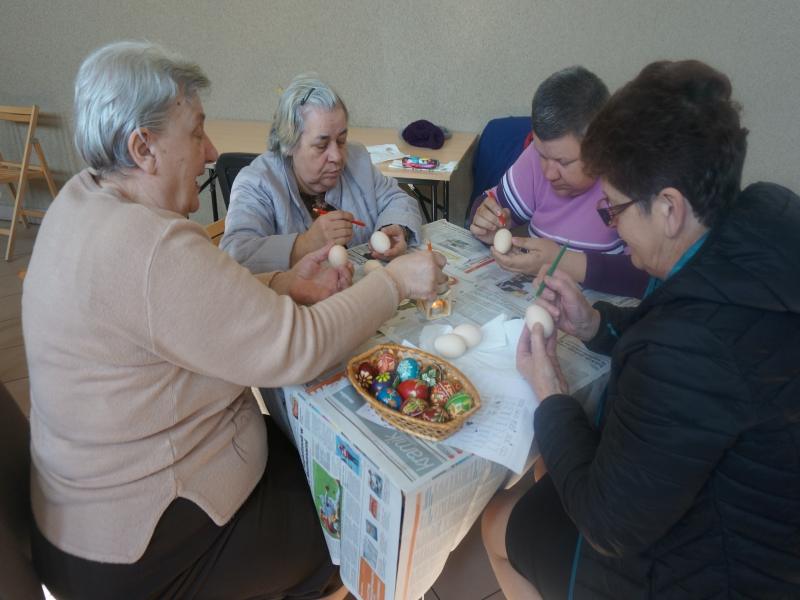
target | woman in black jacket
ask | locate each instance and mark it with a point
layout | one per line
(688, 483)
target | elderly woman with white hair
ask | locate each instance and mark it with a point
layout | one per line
(150, 475)
(310, 186)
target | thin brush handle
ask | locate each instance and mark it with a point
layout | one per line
(552, 269)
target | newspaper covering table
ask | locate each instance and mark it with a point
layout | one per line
(393, 506)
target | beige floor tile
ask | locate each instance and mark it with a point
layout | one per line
(10, 307)
(10, 284)
(12, 363)
(13, 267)
(20, 390)
(467, 574)
(10, 333)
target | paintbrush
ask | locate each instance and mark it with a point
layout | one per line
(322, 211)
(551, 270)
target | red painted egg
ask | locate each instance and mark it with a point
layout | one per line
(413, 388)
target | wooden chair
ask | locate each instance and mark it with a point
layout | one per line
(215, 231)
(17, 174)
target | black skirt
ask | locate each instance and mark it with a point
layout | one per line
(541, 540)
(272, 547)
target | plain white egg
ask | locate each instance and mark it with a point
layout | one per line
(450, 345)
(471, 333)
(536, 314)
(502, 240)
(372, 265)
(337, 256)
(380, 242)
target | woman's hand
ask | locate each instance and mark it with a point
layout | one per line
(527, 255)
(537, 362)
(570, 310)
(418, 274)
(397, 239)
(313, 280)
(488, 219)
(335, 226)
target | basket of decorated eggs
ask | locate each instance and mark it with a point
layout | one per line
(414, 391)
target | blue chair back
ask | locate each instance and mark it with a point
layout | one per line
(500, 144)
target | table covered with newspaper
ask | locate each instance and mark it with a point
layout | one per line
(393, 506)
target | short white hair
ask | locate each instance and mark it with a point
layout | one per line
(122, 87)
(304, 92)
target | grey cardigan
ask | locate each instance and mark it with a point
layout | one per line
(266, 212)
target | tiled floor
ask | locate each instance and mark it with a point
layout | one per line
(13, 368)
(467, 574)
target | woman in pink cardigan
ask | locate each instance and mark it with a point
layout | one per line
(154, 473)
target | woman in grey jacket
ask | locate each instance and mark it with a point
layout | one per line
(310, 186)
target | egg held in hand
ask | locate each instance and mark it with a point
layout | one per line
(502, 241)
(380, 242)
(337, 256)
(536, 314)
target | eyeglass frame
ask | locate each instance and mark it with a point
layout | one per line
(610, 213)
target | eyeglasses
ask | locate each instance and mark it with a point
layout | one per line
(307, 96)
(609, 212)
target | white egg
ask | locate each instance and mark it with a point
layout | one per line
(536, 314)
(450, 345)
(372, 265)
(380, 242)
(337, 256)
(502, 240)
(471, 333)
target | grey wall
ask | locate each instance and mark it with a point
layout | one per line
(455, 62)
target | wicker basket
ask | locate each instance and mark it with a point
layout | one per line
(414, 425)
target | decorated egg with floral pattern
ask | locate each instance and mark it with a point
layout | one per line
(435, 414)
(458, 403)
(390, 398)
(365, 373)
(413, 388)
(407, 368)
(386, 361)
(413, 407)
(441, 392)
(381, 381)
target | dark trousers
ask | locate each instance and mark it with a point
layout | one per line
(271, 548)
(541, 540)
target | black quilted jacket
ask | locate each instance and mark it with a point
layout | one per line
(691, 486)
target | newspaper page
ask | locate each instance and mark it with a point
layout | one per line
(358, 505)
(437, 517)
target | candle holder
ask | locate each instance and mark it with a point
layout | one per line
(437, 308)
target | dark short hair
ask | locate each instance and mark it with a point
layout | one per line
(675, 125)
(566, 102)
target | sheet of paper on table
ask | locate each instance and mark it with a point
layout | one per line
(502, 430)
(383, 152)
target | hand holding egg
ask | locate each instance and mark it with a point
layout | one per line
(417, 274)
(536, 314)
(380, 242)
